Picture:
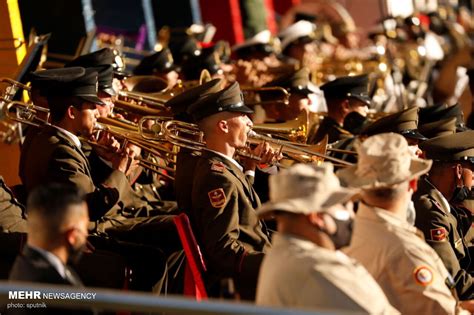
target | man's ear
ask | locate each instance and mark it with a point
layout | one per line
(71, 112)
(346, 106)
(413, 184)
(71, 237)
(223, 126)
(316, 219)
(458, 171)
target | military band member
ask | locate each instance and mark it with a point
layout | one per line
(303, 259)
(435, 201)
(56, 156)
(406, 268)
(302, 95)
(186, 158)
(223, 200)
(343, 95)
(160, 64)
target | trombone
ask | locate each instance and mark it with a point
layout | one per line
(174, 130)
(12, 130)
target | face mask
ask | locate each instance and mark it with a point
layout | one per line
(460, 194)
(414, 150)
(75, 253)
(468, 203)
(342, 236)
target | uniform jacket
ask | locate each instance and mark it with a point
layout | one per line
(330, 128)
(407, 269)
(223, 217)
(315, 277)
(183, 183)
(440, 228)
(12, 217)
(53, 157)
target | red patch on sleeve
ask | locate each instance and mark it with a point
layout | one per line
(438, 234)
(217, 197)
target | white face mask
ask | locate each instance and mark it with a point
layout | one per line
(414, 150)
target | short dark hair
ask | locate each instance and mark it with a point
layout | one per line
(58, 106)
(50, 202)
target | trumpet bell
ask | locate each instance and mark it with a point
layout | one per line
(295, 130)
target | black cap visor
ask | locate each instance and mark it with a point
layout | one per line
(413, 134)
(91, 99)
(363, 98)
(237, 108)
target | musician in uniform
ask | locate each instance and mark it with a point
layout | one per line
(343, 96)
(302, 94)
(160, 64)
(438, 201)
(56, 156)
(186, 158)
(223, 201)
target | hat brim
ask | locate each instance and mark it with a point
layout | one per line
(413, 134)
(306, 205)
(349, 177)
(241, 109)
(364, 99)
(121, 74)
(91, 99)
(109, 90)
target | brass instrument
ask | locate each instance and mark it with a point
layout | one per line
(131, 134)
(26, 113)
(137, 109)
(295, 130)
(189, 136)
(11, 131)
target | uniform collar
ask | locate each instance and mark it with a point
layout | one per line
(436, 194)
(69, 135)
(384, 216)
(231, 160)
(280, 239)
(52, 259)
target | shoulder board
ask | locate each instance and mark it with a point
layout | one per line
(217, 167)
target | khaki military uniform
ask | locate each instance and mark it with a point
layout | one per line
(223, 216)
(407, 269)
(12, 217)
(330, 128)
(440, 228)
(298, 273)
(53, 157)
